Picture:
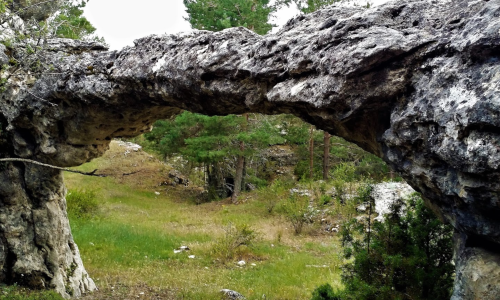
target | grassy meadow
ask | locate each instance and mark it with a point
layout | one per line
(127, 244)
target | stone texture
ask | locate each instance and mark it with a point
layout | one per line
(477, 270)
(4, 59)
(36, 246)
(231, 295)
(36, 9)
(416, 83)
(386, 194)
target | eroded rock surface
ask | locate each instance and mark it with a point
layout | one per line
(417, 83)
(385, 194)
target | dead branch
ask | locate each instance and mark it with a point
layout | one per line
(131, 173)
(51, 166)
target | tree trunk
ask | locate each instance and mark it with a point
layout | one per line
(36, 246)
(311, 153)
(326, 155)
(239, 176)
(214, 181)
(240, 166)
(244, 176)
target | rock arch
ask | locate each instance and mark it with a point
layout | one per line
(416, 83)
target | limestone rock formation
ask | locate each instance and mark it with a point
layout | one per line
(385, 194)
(4, 59)
(415, 82)
(37, 9)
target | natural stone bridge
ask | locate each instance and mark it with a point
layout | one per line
(415, 82)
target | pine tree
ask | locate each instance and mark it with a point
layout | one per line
(71, 23)
(216, 15)
(309, 6)
(211, 142)
(408, 256)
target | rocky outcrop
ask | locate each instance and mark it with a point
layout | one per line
(385, 195)
(477, 269)
(416, 83)
(36, 246)
(4, 59)
(38, 10)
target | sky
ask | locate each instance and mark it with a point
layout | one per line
(120, 22)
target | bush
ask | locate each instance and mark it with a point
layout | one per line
(325, 292)
(82, 204)
(344, 206)
(296, 210)
(234, 240)
(345, 172)
(324, 200)
(274, 193)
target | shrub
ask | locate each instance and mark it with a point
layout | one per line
(274, 193)
(234, 240)
(296, 209)
(340, 190)
(345, 204)
(82, 203)
(345, 172)
(325, 292)
(324, 200)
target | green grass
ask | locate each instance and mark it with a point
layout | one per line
(130, 244)
(18, 293)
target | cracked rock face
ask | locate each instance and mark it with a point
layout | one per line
(416, 83)
(40, 10)
(4, 59)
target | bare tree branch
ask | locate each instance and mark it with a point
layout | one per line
(50, 103)
(51, 166)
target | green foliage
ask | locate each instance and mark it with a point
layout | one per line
(216, 15)
(17, 293)
(350, 163)
(324, 200)
(3, 83)
(275, 193)
(295, 209)
(235, 239)
(408, 256)
(213, 142)
(325, 292)
(82, 203)
(220, 144)
(4, 4)
(309, 6)
(345, 171)
(71, 23)
(198, 138)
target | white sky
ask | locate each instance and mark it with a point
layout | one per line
(120, 22)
